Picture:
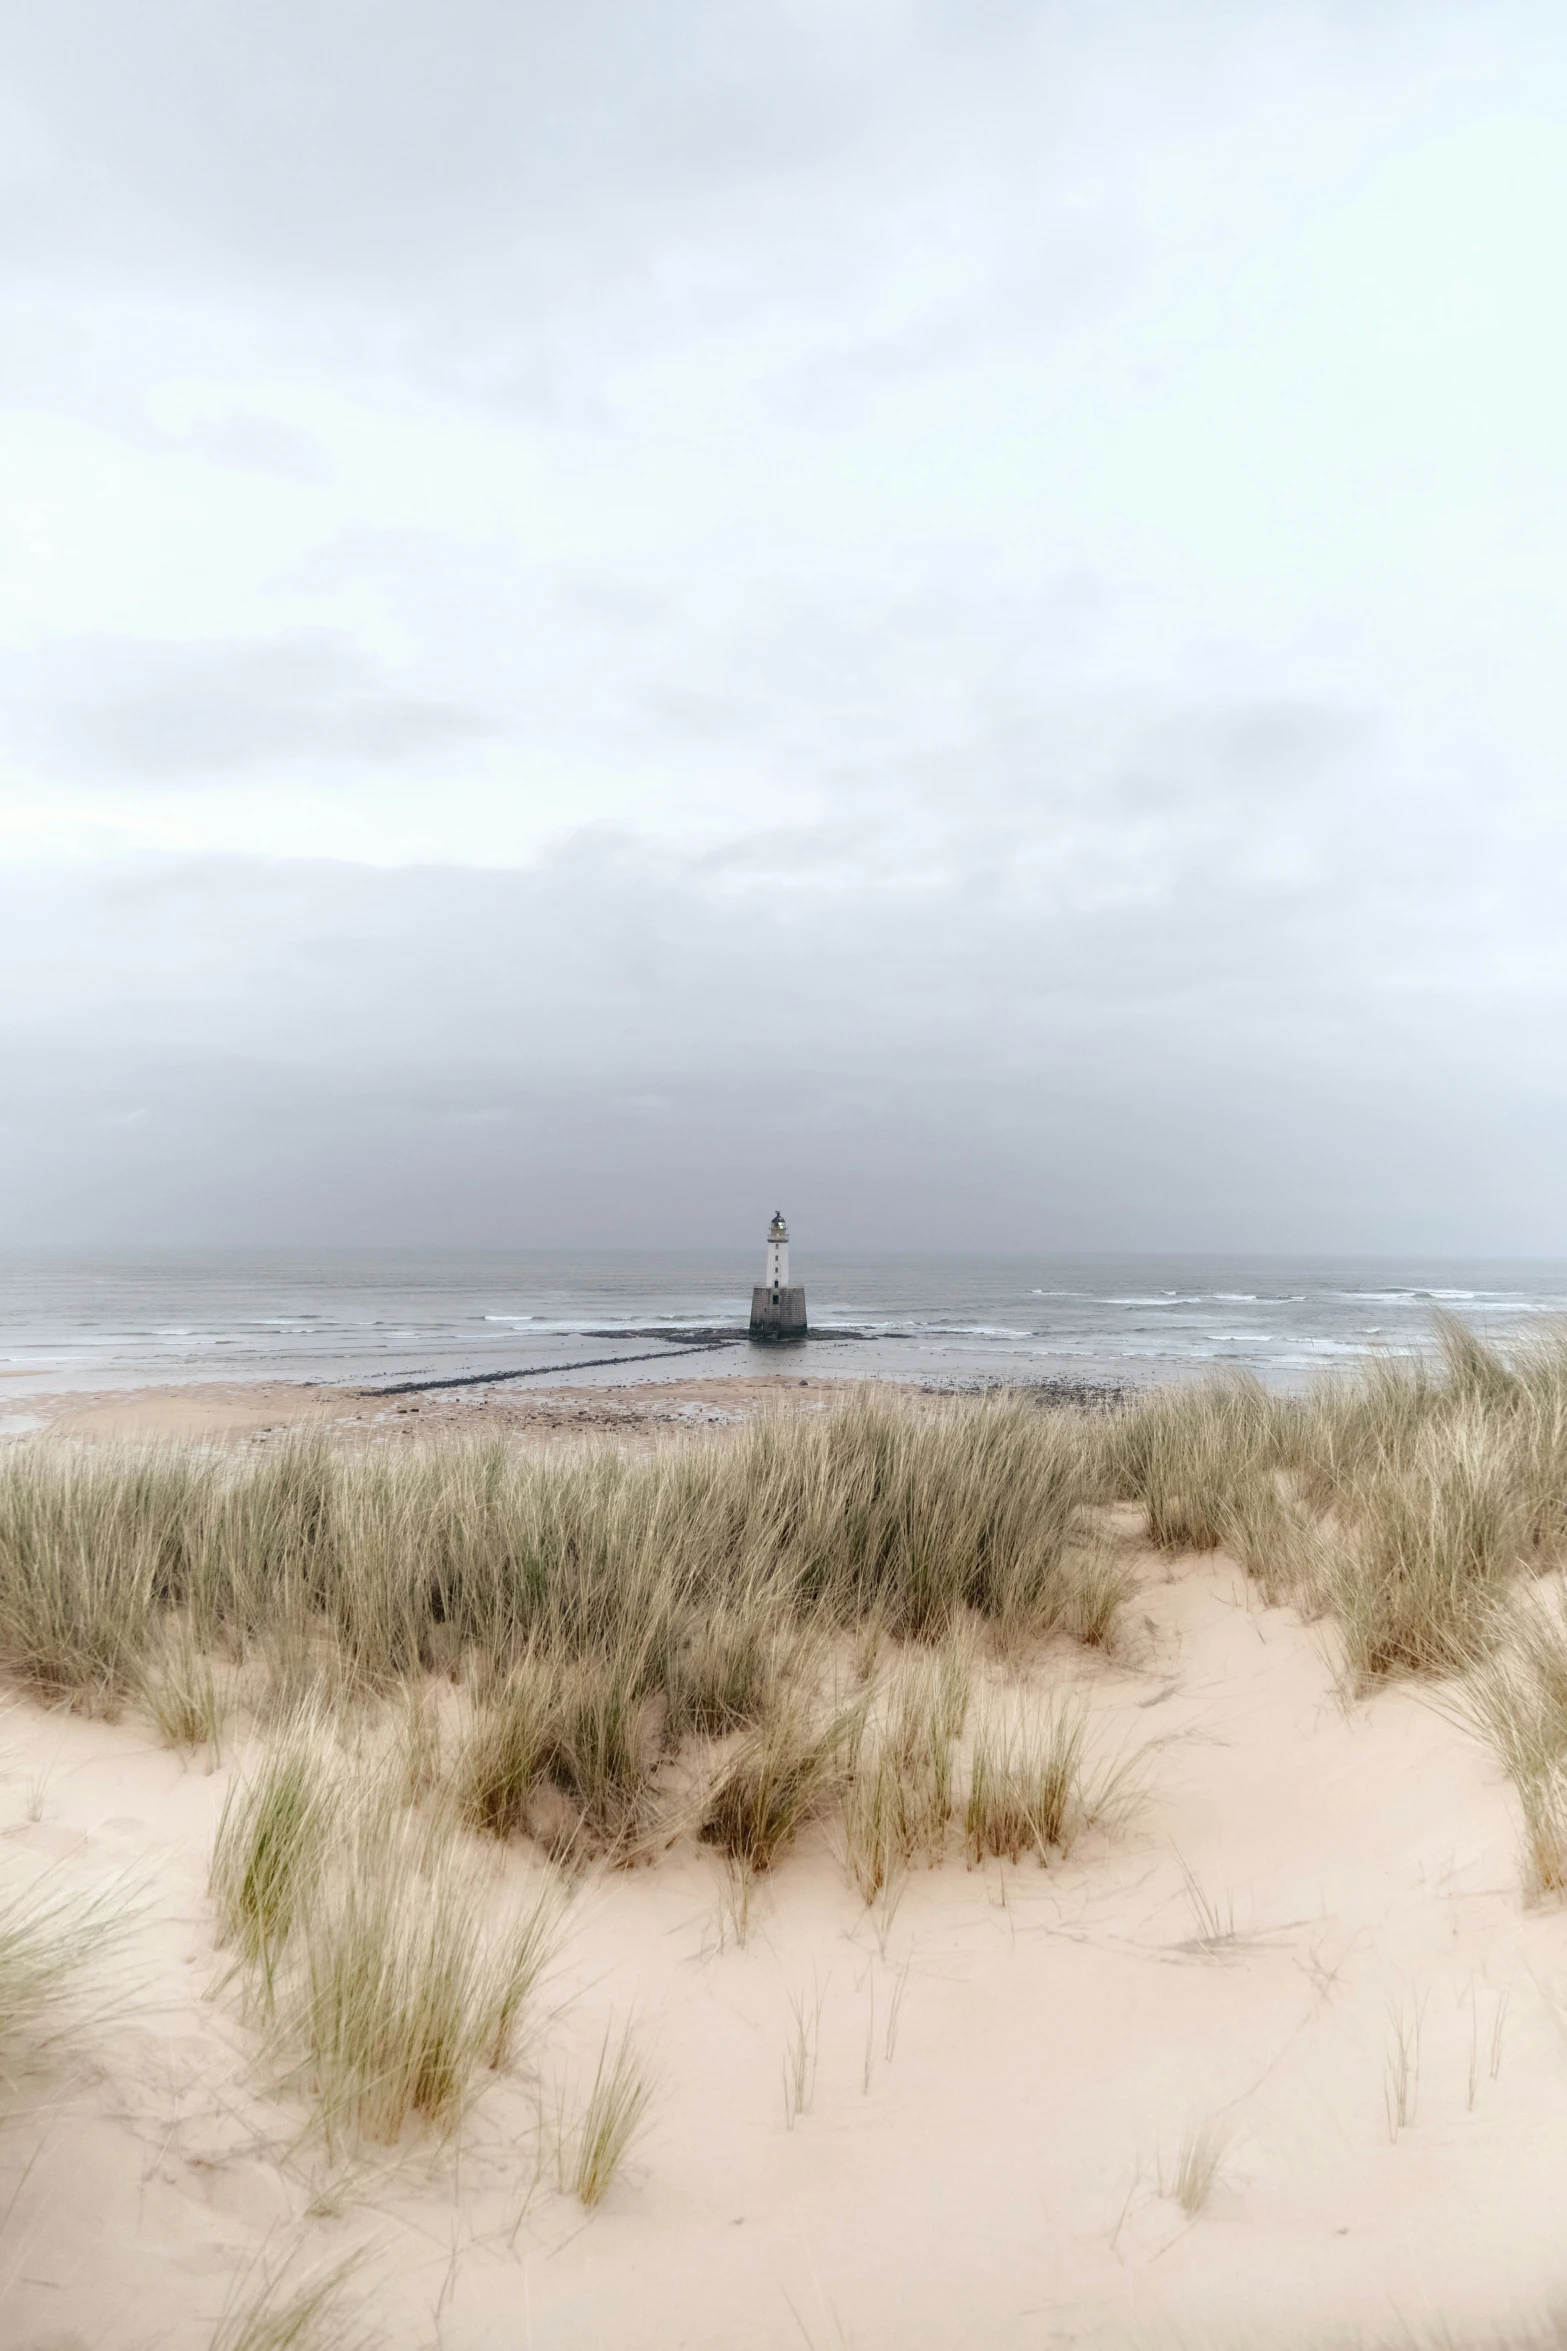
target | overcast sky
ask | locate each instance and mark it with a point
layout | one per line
(954, 614)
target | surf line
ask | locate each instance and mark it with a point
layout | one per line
(539, 1371)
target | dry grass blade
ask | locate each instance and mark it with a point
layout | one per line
(80, 1548)
(1544, 1801)
(1214, 1931)
(273, 1837)
(1187, 1449)
(267, 2313)
(502, 1761)
(1033, 1786)
(785, 1775)
(736, 1891)
(179, 1691)
(1401, 2075)
(615, 2112)
(1285, 1550)
(729, 1667)
(1518, 1699)
(1096, 1585)
(1197, 2168)
(801, 2053)
(1432, 1546)
(1475, 1372)
(875, 1844)
(899, 1792)
(403, 1994)
(48, 1942)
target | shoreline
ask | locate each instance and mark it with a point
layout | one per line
(213, 1410)
(87, 1325)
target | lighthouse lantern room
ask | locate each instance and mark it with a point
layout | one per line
(777, 1310)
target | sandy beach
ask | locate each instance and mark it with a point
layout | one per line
(214, 1410)
(1302, 1965)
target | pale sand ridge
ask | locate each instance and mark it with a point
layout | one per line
(1058, 2032)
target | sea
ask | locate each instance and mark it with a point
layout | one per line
(389, 1318)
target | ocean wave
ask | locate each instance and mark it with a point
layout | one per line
(1422, 1297)
(1167, 1298)
(924, 1330)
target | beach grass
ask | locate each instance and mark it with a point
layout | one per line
(614, 2113)
(1402, 1498)
(790, 1771)
(738, 1633)
(386, 1975)
(179, 1690)
(1517, 1696)
(1406, 1500)
(274, 1834)
(269, 2311)
(49, 1941)
(681, 1574)
(405, 1988)
(900, 1791)
(1032, 1787)
(1197, 2168)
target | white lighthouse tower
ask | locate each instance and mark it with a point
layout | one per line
(777, 1311)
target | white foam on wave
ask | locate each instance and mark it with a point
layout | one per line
(1166, 1298)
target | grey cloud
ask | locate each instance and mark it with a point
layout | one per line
(182, 714)
(1079, 266)
(237, 1150)
(243, 1049)
(1255, 748)
(609, 957)
(385, 141)
(492, 142)
(256, 444)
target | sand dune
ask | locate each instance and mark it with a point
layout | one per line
(1002, 2078)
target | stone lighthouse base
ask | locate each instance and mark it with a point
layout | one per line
(777, 1314)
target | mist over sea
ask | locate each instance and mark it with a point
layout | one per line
(133, 1317)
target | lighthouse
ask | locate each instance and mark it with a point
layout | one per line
(777, 1311)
